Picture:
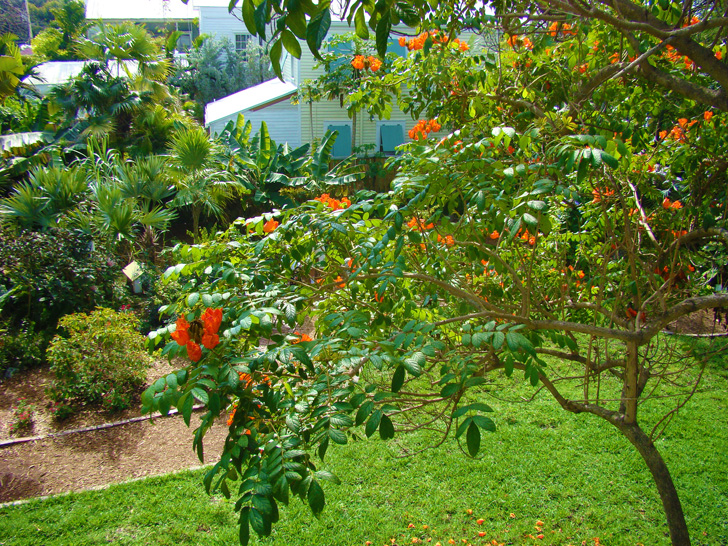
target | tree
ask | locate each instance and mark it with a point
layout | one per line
(566, 214)
(15, 18)
(214, 69)
(58, 41)
(200, 179)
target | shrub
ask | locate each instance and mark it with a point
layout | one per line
(45, 275)
(22, 416)
(98, 358)
(21, 348)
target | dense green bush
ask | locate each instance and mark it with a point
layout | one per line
(45, 275)
(21, 348)
(98, 358)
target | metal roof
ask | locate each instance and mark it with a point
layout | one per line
(249, 99)
(141, 10)
(55, 73)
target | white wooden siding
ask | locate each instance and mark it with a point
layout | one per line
(218, 22)
(281, 119)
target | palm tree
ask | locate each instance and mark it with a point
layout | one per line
(200, 178)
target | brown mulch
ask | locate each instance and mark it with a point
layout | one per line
(83, 460)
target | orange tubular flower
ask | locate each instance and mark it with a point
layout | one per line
(301, 337)
(194, 351)
(553, 29)
(358, 62)
(374, 63)
(666, 203)
(707, 115)
(495, 235)
(339, 280)
(402, 41)
(270, 226)
(181, 335)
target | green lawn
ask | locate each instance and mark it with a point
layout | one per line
(573, 472)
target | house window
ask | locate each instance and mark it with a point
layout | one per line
(390, 134)
(342, 146)
(241, 42)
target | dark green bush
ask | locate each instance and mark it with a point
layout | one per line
(97, 358)
(21, 348)
(45, 275)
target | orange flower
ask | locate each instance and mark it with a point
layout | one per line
(481, 533)
(527, 43)
(553, 29)
(301, 337)
(707, 115)
(719, 55)
(581, 276)
(532, 241)
(194, 351)
(613, 58)
(582, 68)
(181, 335)
(494, 235)
(339, 280)
(463, 46)
(513, 41)
(676, 205)
(481, 521)
(270, 225)
(374, 63)
(666, 203)
(358, 62)
(231, 417)
(402, 41)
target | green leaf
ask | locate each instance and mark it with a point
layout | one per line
(291, 43)
(360, 24)
(364, 411)
(386, 428)
(200, 394)
(186, 407)
(257, 521)
(581, 171)
(337, 436)
(275, 57)
(316, 498)
(192, 299)
(244, 535)
(484, 422)
(317, 29)
(325, 475)
(472, 439)
(248, 10)
(398, 378)
(610, 160)
(373, 423)
(449, 390)
(384, 27)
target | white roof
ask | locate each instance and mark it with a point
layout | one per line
(247, 99)
(55, 73)
(141, 10)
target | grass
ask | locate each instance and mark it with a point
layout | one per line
(574, 473)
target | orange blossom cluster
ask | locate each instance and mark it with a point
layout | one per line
(200, 331)
(361, 63)
(422, 128)
(332, 203)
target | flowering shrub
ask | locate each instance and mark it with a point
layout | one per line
(22, 416)
(98, 358)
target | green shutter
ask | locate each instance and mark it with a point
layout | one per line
(391, 136)
(342, 146)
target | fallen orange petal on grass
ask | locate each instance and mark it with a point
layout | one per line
(513, 515)
(480, 521)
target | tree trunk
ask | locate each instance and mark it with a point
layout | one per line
(665, 486)
(196, 211)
